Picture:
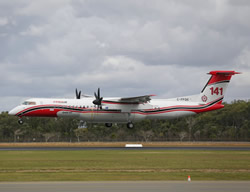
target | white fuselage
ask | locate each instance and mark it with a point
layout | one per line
(110, 112)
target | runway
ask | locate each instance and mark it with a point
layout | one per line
(124, 186)
(122, 148)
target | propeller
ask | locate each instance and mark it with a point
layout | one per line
(98, 99)
(78, 95)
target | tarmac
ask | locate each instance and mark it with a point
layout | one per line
(125, 186)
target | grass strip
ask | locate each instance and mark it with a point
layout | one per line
(106, 165)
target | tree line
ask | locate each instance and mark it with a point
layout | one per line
(232, 123)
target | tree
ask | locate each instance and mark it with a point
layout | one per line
(182, 135)
(146, 134)
(80, 133)
(191, 121)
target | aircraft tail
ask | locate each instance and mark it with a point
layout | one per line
(216, 86)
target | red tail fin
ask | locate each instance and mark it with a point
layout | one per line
(216, 86)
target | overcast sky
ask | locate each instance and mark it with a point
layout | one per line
(127, 48)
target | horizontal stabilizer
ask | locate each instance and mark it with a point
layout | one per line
(223, 72)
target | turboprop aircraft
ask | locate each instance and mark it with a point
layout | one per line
(96, 109)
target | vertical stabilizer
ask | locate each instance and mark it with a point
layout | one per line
(216, 86)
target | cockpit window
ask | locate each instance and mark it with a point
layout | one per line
(29, 103)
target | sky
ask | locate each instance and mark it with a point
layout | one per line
(127, 48)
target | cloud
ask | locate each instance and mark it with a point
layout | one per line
(33, 31)
(127, 48)
(3, 21)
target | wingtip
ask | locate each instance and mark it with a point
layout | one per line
(153, 95)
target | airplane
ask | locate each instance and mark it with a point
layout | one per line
(96, 109)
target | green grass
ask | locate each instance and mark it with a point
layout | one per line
(97, 165)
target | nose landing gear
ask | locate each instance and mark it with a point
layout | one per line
(20, 121)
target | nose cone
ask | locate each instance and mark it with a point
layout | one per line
(16, 110)
(12, 112)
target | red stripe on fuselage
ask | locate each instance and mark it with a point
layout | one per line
(49, 112)
(33, 108)
(214, 107)
(52, 110)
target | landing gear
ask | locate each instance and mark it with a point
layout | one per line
(108, 124)
(20, 121)
(130, 125)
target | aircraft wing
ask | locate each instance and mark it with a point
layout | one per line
(136, 100)
(132, 100)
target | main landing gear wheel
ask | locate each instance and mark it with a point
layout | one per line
(20, 121)
(108, 124)
(130, 125)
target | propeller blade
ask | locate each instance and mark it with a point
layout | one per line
(98, 99)
(98, 93)
(78, 95)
